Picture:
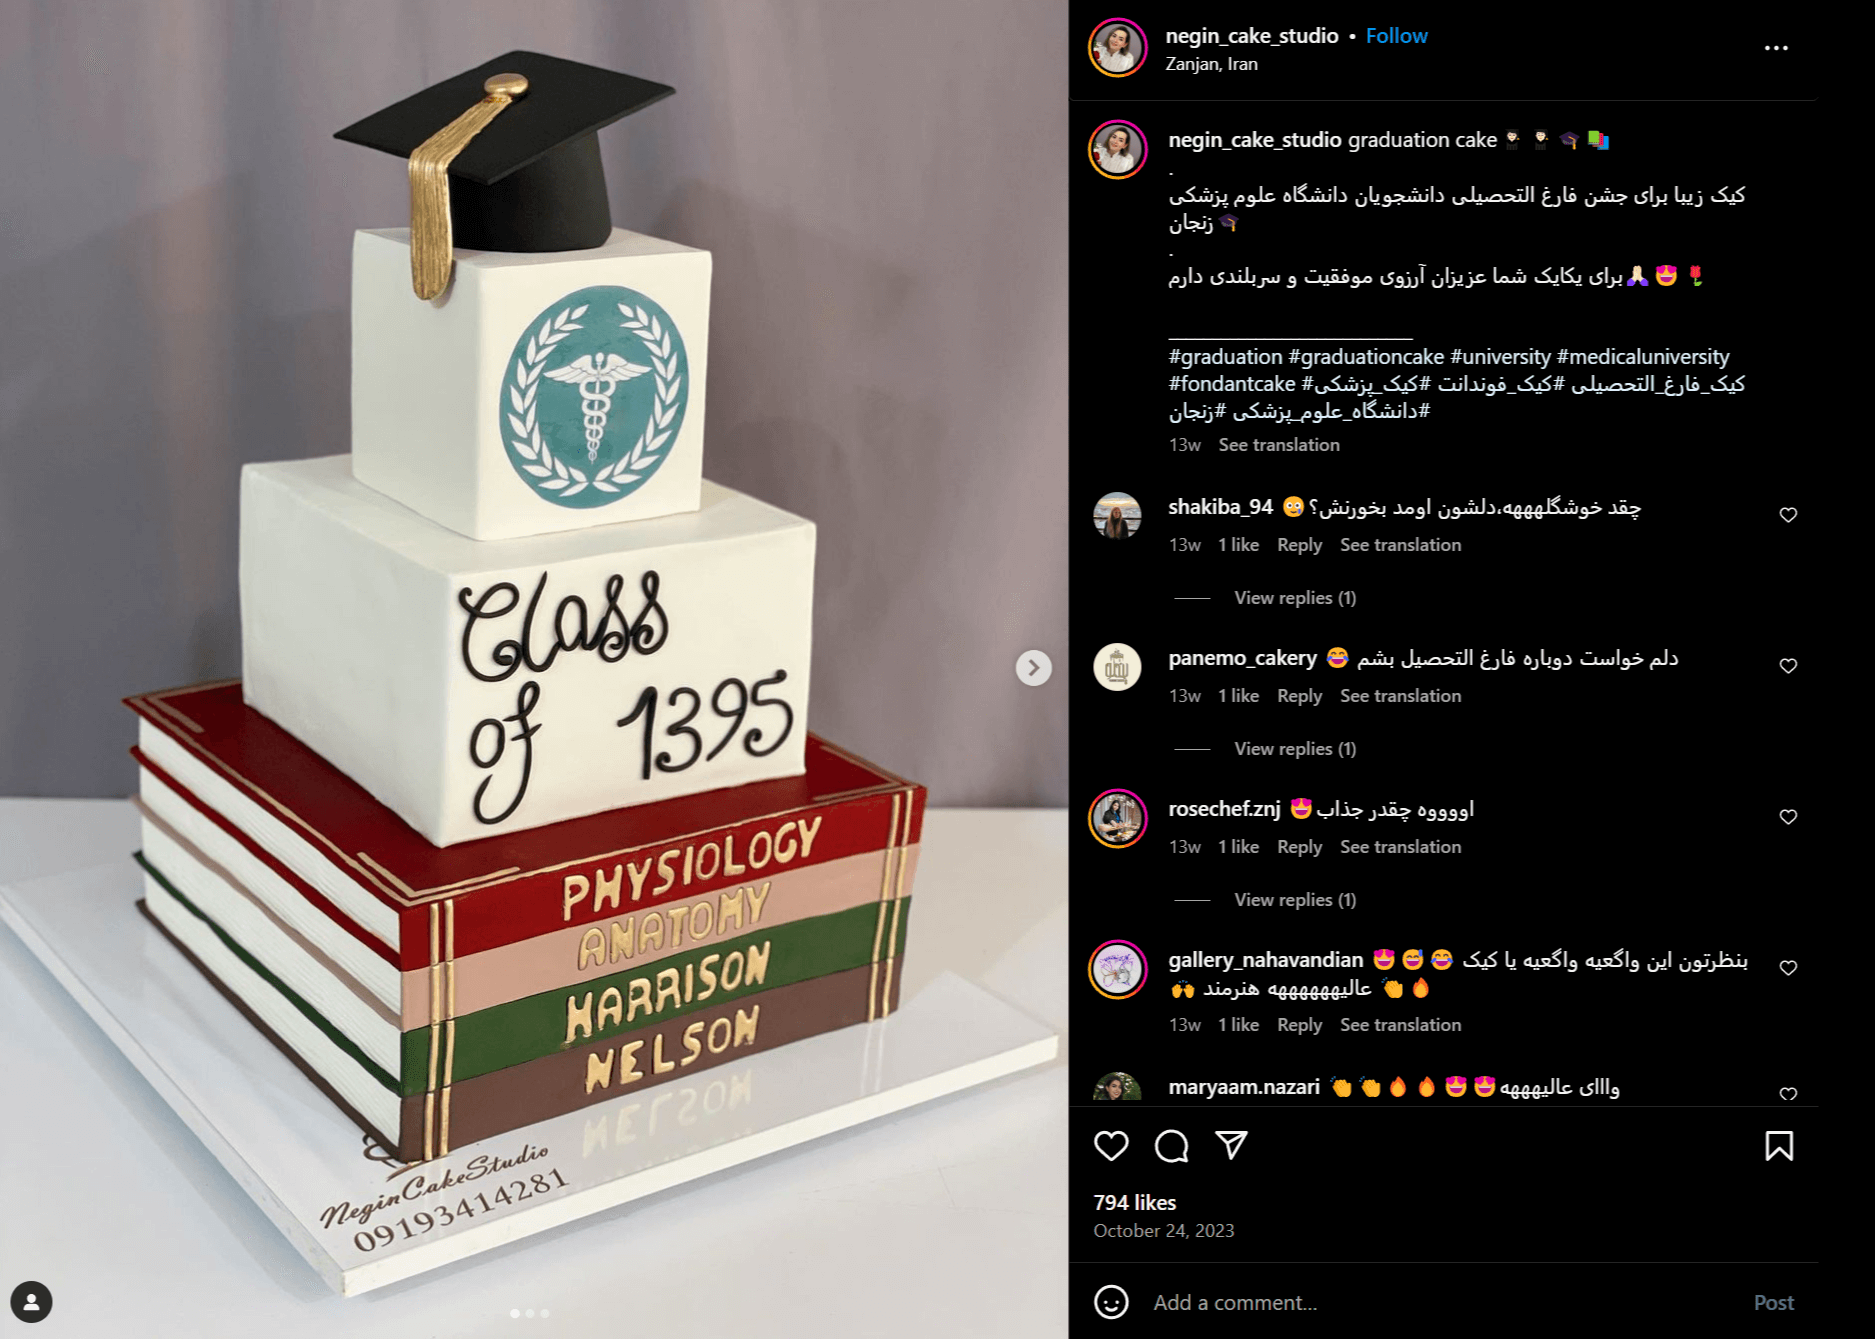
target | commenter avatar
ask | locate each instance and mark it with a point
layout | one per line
(1118, 1086)
(1117, 818)
(1116, 158)
(1117, 515)
(1117, 149)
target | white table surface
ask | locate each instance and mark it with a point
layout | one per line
(949, 1219)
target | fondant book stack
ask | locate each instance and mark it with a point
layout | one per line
(515, 809)
(446, 994)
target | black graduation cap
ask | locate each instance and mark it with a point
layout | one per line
(525, 175)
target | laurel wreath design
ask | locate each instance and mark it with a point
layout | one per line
(556, 476)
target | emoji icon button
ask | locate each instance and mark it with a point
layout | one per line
(1484, 1085)
(1441, 959)
(1383, 959)
(1337, 657)
(1110, 1302)
(1411, 959)
(1292, 506)
(1455, 1085)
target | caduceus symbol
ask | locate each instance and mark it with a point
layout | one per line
(597, 375)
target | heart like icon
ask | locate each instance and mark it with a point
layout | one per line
(1788, 815)
(1788, 1094)
(1110, 1144)
(1788, 967)
(1788, 513)
(1788, 664)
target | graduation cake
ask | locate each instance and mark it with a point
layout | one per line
(514, 808)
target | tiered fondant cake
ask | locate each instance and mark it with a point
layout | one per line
(515, 808)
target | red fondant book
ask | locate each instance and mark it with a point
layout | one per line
(422, 906)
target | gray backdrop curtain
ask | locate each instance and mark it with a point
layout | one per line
(883, 186)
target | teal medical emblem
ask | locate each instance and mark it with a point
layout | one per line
(594, 396)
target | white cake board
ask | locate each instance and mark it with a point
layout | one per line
(296, 1155)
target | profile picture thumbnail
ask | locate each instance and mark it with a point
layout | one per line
(1116, 666)
(1117, 818)
(1117, 149)
(1118, 1086)
(1117, 516)
(1117, 47)
(1117, 969)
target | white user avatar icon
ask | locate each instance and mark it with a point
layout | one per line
(1111, 1302)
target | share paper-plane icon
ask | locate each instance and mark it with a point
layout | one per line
(1233, 1140)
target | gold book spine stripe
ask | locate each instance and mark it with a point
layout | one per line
(436, 1014)
(449, 1028)
(878, 932)
(432, 254)
(442, 1050)
(449, 954)
(898, 892)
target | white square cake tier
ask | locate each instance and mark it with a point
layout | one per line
(540, 392)
(482, 688)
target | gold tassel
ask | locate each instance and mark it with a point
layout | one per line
(432, 254)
